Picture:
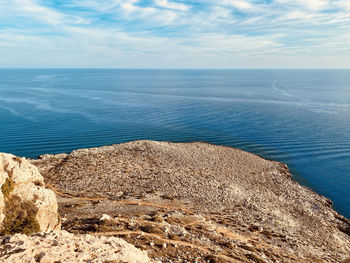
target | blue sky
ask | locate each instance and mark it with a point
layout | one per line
(175, 34)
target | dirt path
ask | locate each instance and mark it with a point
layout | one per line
(141, 203)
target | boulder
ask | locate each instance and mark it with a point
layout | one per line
(26, 206)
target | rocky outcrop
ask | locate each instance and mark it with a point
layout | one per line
(26, 206)
(61, 246)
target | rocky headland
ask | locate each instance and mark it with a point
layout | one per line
(193, 202)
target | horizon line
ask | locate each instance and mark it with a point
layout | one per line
(175, 68)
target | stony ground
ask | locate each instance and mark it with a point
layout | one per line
(195, 202)
(61, 246)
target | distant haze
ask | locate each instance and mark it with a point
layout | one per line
(175, 34)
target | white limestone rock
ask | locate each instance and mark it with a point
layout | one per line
(61, 246)
(29, 186)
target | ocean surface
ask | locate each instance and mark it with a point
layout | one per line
(300, 117)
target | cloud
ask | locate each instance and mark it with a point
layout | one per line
(151, 16)
(299, 15)
(315, 4)
(157, 33)
(308, 4)
(96, 5)
(131, 7)
(345, 4)
(172, 5)
(31, 12)
(32, 9)
(240, 4)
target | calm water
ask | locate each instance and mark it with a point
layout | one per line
(300, 117)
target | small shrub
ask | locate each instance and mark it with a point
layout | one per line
(20, 217)
(7, 187)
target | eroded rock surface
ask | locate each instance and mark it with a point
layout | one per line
(25, 204)
(61, 246)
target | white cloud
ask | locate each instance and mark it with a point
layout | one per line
(313, 5)
(150, 15)
(235, 44)
(97, 5)
(220, 14)
(216, 35)
(239, 4)
(172, 5)
(130, 7)
(32, 9)
(345, 4)
(33, 12)
(298, 15)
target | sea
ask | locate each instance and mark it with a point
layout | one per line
(299, 117)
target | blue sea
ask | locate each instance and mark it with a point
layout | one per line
(300, 117)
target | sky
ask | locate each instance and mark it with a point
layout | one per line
(175, 34)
